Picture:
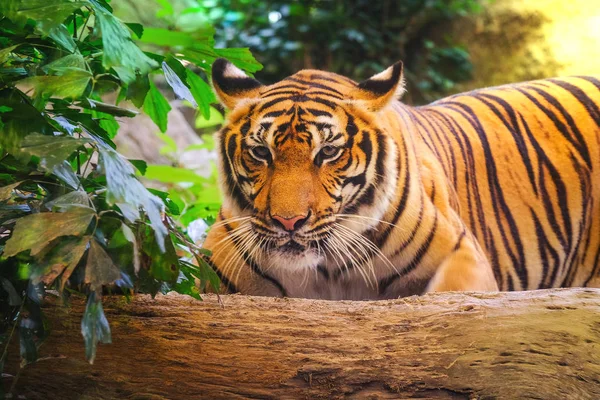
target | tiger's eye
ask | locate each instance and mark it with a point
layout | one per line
(329, 151)
(262, 152)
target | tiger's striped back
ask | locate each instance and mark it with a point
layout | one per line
(523, 161)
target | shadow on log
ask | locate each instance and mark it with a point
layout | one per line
(541, 344)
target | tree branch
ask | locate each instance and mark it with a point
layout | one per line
(542, 344)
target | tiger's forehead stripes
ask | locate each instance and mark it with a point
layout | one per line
(300, 125)
(310, 83)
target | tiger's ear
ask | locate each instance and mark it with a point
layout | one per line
(380, 90)
(231, 84)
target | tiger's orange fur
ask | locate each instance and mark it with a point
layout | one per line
(337, 190)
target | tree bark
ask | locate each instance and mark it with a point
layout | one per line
(540, 344)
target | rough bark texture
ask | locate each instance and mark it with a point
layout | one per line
(542, 344)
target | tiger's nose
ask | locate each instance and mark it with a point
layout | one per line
(291, 224)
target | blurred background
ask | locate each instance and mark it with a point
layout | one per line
(447, 46)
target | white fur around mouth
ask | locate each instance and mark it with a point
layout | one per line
(293, 260)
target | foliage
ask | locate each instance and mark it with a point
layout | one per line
(355, 38)
(74, 217)
(193, 189)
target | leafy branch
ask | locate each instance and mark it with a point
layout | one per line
(74, 217)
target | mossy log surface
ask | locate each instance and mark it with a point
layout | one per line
(540, 344)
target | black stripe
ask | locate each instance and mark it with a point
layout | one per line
(231, 85)
(589, 104)
(380, 87)
(319, 113)
(497, 194)
(445, 144)
(595, 269)
(255, 267)
(494, 260)
(578, 142)
(316, 85)
(513, 129)
(381, 156)
(471, 183)
(413, 264)
(339, 78)
(382, 239)
(231, 288)
(585, 187)
(323, 271)
(544, 247)
(561, 192)
(227, 153)
(274, 114)
(413, 233)
(282, 87)
(326, 78)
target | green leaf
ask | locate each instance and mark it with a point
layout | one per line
(70, 61)
(128, 234)
(138, 29)
(157, 107)
(100, 269)
(65, 173)
(104, 3)
(164, 265)
(164, 37)
(69, 82)
(138, 89)
(172, 207)
(194, 18)
(94, 327)
(21, 120)
(215, 118)
(170, 146)
(102, 113)
(140, 165)
(177, 66)
(202, 210)
(169, 174)
(166, 8)
(6, 191)
(188, 287)
(14, 299)
(178, 82)
(120, 53)
(108, 123)
(75, 198)
(130, 212)
(61, 36)
(62, 259)
(202, 54)
(5, 53)
(99, 106)
(203, 272)
(202, 93)
(52, 150)
(47, 14)
(124, 189)
(34, 232)
(241, 58)
(207, 274)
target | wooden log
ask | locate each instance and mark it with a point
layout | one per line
(540, 344)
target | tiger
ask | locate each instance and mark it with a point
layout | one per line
(334, 189)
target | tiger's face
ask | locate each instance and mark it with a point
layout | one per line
(302, 162)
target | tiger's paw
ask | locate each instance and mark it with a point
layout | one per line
(461, 273)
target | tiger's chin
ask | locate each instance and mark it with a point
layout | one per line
(293, 257)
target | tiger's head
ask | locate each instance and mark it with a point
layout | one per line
(305, 162)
